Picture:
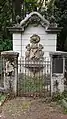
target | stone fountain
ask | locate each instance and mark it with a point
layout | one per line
(34, 54)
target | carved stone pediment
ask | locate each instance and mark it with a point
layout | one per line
(34, 18)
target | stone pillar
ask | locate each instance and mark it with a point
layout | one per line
(16, 76)
(57, 81)
(4, 62)
(10, 71)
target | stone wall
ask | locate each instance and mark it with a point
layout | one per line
(20, 40)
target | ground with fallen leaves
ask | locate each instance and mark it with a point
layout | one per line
(28, 108)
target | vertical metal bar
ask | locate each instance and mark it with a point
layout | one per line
(39, 81)
(18, 77)
(47, 74)
(34, 79)
(28, 91)
(36, 64)
(21, 65)
(42, 78)
(21, 43)
(25, 81)
(63, 65)
(28, 79)
(19, 82)
(51, 87)
(49, 79)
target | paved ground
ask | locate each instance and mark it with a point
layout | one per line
(23, 108)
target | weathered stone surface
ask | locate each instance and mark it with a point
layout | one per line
(11, 53)
(10, 70)
(58, 83)
(34, 50)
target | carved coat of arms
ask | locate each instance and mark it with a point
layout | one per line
(34, 49)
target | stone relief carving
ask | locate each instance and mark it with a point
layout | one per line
(35, 19)
(9, 68)
(34, 49)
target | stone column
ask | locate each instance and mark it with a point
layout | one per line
(16, 76)
(10, 71)
(4, 62)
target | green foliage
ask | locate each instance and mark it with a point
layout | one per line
(8, 12)
(29, 84)
(2, 97)
(32, 5)
(58, 8)
(58, 97)
(32, 85)
(5, 16)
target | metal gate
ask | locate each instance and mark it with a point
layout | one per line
(34, 78)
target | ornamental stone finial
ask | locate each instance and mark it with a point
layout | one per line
(52, 22)
(18, 19)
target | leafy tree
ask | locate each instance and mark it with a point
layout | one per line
(62, 7)
(5, 16)
(58, 8)
(10, 8)
(32, 5)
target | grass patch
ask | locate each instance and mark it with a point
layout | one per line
(2, 98)
(33, 84)
(61, 99)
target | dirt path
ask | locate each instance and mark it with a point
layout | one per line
(23, 108)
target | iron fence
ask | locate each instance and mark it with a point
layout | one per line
(34, 78)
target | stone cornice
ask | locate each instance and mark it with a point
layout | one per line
(9, 54)
(53, 30)
(15, 29)
(35, 19)
(58, 53)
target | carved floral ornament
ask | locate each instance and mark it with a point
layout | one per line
(34, 49)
